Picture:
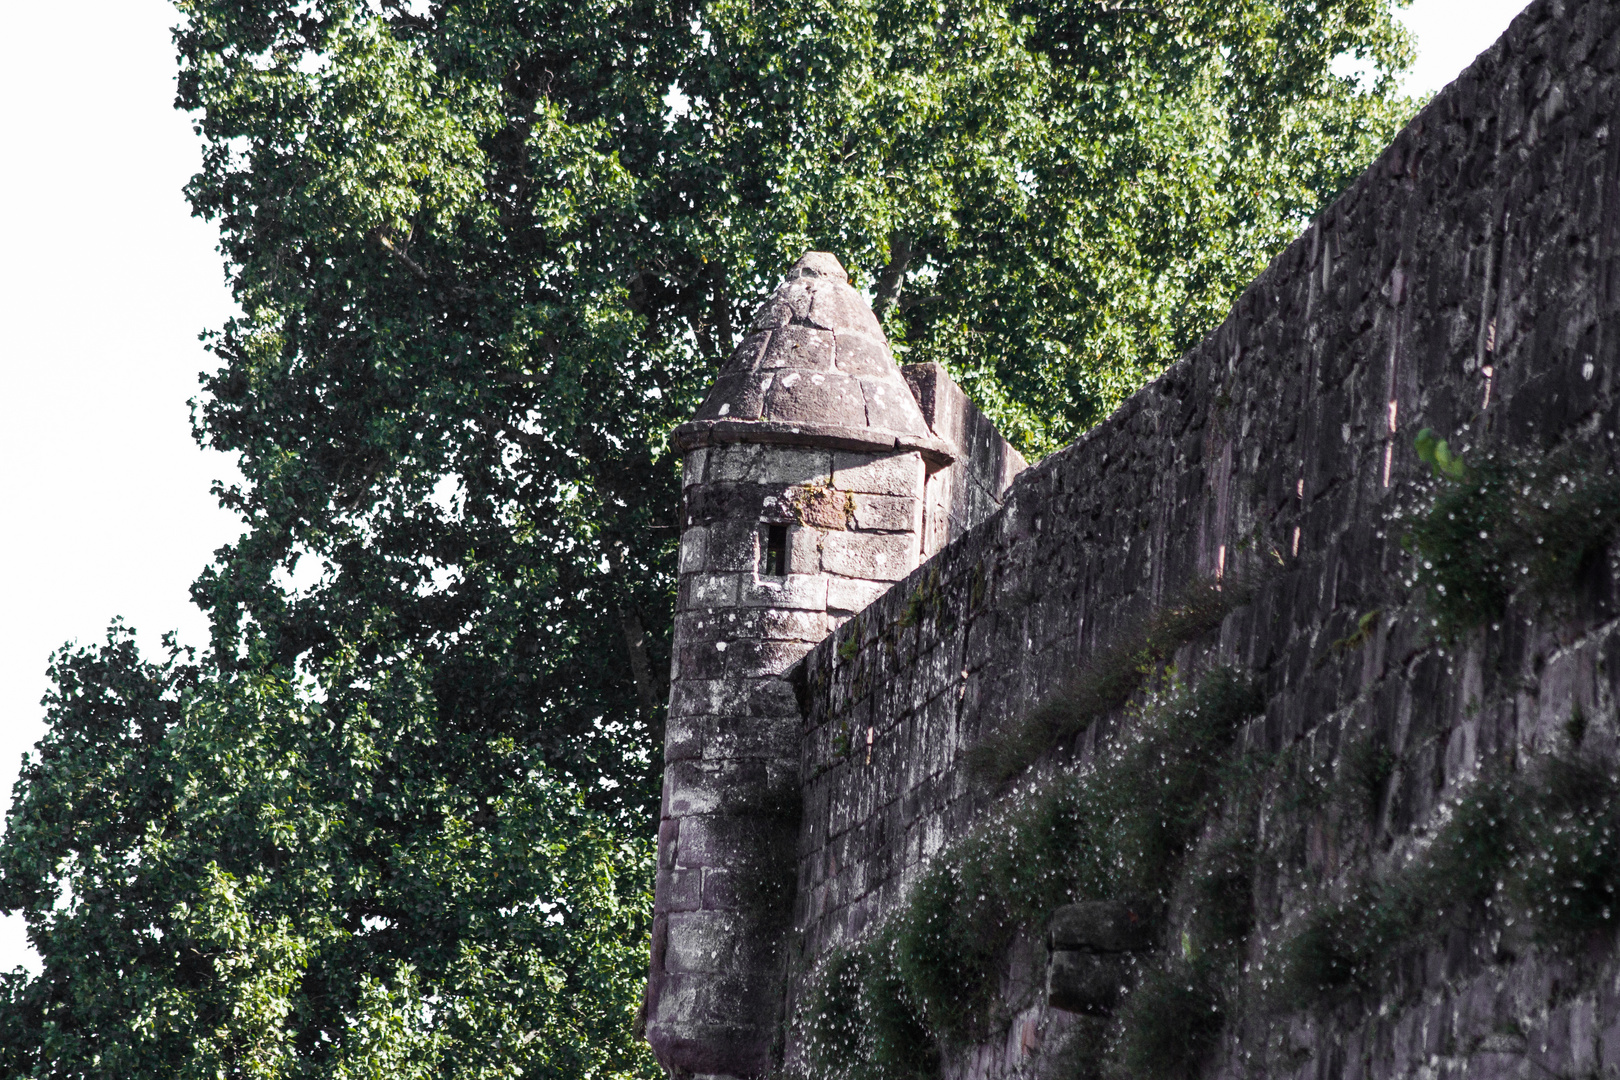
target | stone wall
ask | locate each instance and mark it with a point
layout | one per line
(814, 477)
(971, 489)
(1466, 283)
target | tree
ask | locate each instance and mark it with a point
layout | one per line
(488, 253)
(229, 877)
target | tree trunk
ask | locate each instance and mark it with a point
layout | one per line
(635, 643)
(722, 312)
(893, 278)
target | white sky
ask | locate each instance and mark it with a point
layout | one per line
(106, 282)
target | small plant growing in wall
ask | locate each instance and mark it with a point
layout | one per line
(859, 1023)
(1171, 1022)
(1107, 681)
(929, 978)
(851, 644)
(1538, 522)
(1540, 848)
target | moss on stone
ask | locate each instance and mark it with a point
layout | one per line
(1108, 680)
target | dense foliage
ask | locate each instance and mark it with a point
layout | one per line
(235, 877)
(396, 820)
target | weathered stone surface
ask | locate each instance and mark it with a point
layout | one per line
(753, 624)
(802, 591)
(1087, 982)
(735, 397)
(709, 590)
(870, 555)
(782, 384)
(852, 594)
(822, 507)
(889, 404)
(1102, 926)
(814, 399)
(804, 550)
(784, 466)
(878, 474)
(862, 355)
(798, 347)
(887, 513)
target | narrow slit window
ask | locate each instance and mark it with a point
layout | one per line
(776, 550)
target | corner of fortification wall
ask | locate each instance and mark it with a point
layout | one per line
(1217, 745)
(816, 474)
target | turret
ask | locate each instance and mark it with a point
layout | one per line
(804, 478)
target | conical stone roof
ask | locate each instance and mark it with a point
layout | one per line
(814, 370)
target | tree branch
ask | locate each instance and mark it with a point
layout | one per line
(399, 253)
(635, 640)
(893, 278)
(722, 310)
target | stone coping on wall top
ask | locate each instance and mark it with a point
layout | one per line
(695, 434)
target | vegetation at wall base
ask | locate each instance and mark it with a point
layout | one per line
(1121, 828)
(1170, 1023)
(1537, 848)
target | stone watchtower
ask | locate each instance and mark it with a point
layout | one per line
(804, 480)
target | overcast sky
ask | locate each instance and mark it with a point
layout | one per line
(105, 284)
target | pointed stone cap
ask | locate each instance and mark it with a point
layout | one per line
(814, 370)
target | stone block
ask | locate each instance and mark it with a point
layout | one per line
(815, 398)
(821, 507)
(759, 737)
(802, 591)
(889, 513)
(721, 840)
(804, 550)
(709, 590)
(741, 659)
(843, 309)
(879, 474)
(692, 467)
(734, 463)
(705, 697)
(873, 556)
(734, 397)
(889, 406)
(798, 347)
(720, 892)
(693, 546)
(701, 941)
(746, 356)
(1102, 926)
(733, 548)
(862, 355)
(1088, 983)
(692, 787)
(788, 466)
(853, 594)
(683, 737)
(680, 890)
(757, 624)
